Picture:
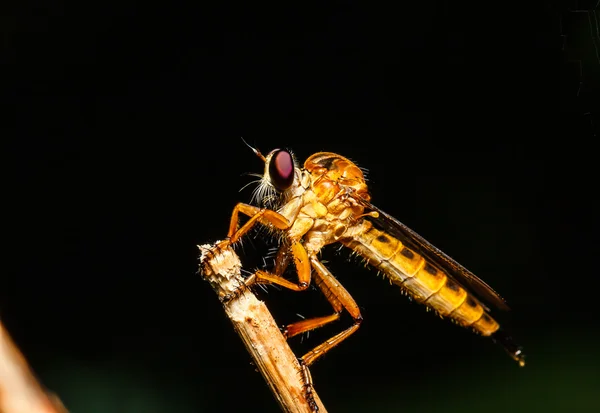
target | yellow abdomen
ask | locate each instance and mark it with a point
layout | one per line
(420, 278)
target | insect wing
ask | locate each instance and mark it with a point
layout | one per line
(436, 257)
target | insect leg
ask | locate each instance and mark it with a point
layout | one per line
(261, 215)
(263, 277)
(264, 216)
(302, 268)
(282, 259)
(339, 298)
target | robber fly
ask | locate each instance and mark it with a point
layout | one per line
(328, 202)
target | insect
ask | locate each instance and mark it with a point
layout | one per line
(327, 201)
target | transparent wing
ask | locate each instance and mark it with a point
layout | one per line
(437, 257)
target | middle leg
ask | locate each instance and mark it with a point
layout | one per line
(340, 299)
(303, 270)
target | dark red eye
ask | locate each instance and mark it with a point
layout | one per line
(281, 169)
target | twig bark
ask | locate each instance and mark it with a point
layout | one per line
(256, 327)
(20, 392)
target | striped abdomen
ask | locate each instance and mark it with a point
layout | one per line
(420, 278)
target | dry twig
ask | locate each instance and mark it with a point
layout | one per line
(256, 327)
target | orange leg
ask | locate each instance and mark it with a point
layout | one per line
(269, 217)
(264, 216)
(334, 292)
(263, 277)
(340, 299)
(282, 259)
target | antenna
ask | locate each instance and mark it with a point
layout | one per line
(256, 151)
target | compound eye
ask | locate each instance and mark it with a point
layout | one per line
(281, 169)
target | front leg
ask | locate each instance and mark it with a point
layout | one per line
(303, 270)
(262, 215)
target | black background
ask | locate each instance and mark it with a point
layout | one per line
(477, 124)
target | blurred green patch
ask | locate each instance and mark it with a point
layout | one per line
(562, 375)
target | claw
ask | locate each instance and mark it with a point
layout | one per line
(307, 386)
